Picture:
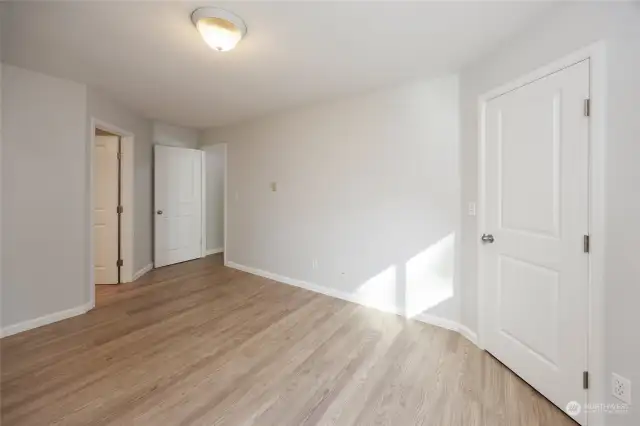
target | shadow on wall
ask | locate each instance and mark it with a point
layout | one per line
(416, 286)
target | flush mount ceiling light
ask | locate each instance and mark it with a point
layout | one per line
(219, 28)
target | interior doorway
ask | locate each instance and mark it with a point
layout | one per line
(111, 209)
(216, 171)
(107, 208)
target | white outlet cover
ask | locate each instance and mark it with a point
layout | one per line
(621, 388)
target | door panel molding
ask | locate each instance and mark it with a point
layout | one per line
(596, 54)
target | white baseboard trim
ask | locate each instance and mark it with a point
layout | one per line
(354, 298)
(467, 333)
(438, 321)
(209, 252)
(46, 319)
(296, 283)
(142, 271)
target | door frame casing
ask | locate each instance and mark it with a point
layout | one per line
(127, 199)
(597, 136)
(203, 203)
(225, 197)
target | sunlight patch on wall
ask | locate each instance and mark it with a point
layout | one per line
(429, 277)
(410, 288)
(380, 291)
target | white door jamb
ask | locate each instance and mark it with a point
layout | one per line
(203, 203)
(225, 198)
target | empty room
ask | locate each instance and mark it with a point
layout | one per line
(319, 213)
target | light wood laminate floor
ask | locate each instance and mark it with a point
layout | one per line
(201, 344)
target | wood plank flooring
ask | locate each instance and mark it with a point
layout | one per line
(201, 344)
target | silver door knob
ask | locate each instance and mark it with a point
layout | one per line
(159, 212)
(487, 238)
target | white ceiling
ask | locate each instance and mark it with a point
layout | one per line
(149, 56)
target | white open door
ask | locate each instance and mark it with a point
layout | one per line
(535, 271)
(105, 214)
(178, 204)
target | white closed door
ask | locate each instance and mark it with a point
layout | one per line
(535, 273)
(105, 214)
(178, 204)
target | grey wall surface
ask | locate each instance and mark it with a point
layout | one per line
(1, 136)
(45, 191)
(44, 194)
(181, 137)
(367, 186)
(215, 161)
(570, 28)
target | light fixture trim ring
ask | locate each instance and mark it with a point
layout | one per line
(216, 12)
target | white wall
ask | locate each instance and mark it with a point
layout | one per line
(45, 191)
(43, 195)
(214, 164)
(1, 135)
(572, 27)
(367, 186)
(182, 137)
(103, 108)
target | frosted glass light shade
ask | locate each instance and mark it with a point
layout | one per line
(220, 29)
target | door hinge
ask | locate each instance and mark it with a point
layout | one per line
(585, 380)
(586, 244)
(119, 209)
(119, 156)
(587, 107)
(119, 262)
